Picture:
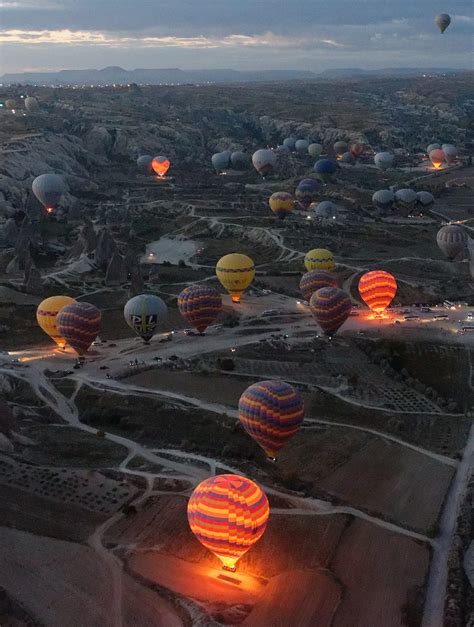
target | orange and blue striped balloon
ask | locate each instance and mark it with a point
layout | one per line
(330, 307)
(200, 305)
(314, 280)
(228, 514)
(79, 324)
(377, 289)
(271, 412)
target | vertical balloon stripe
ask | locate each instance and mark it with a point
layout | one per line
(315, 280)
(79, 324)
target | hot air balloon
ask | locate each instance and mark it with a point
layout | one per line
(348, 158)
(31, 105)
(325, 210)
(79, 324)
(228, 514)
(264, 161)
(452, 240)
(235, 272)
(450, 153)
(306, 192)
(443, 20)
(200, 305)
(436, 157)
(356, 149)
(425, 200)
(143, 314)
(10, 104)
(325, 168)
(220, 161)
(405, 199)
(314, 280)
(271, 412)
(301, 146)
(46, 316)
(289, 143)
(383, 200)
(384, 160)
(432, 147)
(282, 204)
(144, 163)
(319, 259)
(377, 289)
(315, 150)
(330, 307)
(340, 148)
(239, 160)
(160, 165)
(48, 189)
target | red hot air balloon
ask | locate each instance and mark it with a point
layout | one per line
(228, 514)
(200, 305)
(356, 149)
(79, 324)
(314, 280)
(271, 412)
(330, 307)
(377, 289)
(160, 165)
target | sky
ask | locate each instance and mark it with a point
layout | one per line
(241, 34)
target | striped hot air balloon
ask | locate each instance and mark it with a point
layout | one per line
(46, 315)
(200, 305)
(228, 514)
(307, 192)
(452, 240)
(235, 272)
(330, 307)
(271, 412)
(314, 280)
(319, 259)
(377, 289)
(79, 324)
(282, 204)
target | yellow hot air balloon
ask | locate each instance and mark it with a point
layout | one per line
(46, 315)
(235, 272)
(319, 259)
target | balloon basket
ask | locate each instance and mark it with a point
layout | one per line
(273, 460)
(230, 569)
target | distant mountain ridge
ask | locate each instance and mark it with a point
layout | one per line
(118, 75)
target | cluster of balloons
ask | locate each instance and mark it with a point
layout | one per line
(223, 160)
(447, 153)
(405, 200)
(31, 104)
(160, 164)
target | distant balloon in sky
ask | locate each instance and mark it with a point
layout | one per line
(383, 200)
(143, 314)
(325, 168)
(235, 272)
(264, 161)
(384, 160)
(289, 142)
(319, 259)
(46, 316)
(377, 289)
(228, 514)
(443, 20)
(452, 240)
(301, 146)
(307, 192)
(144, 163)
(315, 150)
(160, 165)
(271, 412)
(79, 324)
(200, 305)
(330, 307)
(239, 160)
(314, 280)
(282, 204)
(220, 161)
(437, 157)
(48, 189)
(31, 104)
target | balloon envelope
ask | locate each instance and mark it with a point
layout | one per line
(271, 412)
(383, 199)
(228, 514)
(325, 210)
(319, 259)
(264, 161)
(340, 148)
(301, 146)
(450, 152)
(160, 165)
(239, 159)
(144, 163)
(10, 104)
(315, 150)
(200, 305)
(325, 168)
(235, 272)
(377, 289)
(452, 240)
(384, 160)
(443, 20)
(330, 307)
(289, 142)
(282, 204)
(307, 192)
(356, 149)
(79, 324)
(46, 315)
(436, 157)
(220, 161)
(314, 280)
(48, 189)
(143, 314)
(31, 104)
(406, 199)
(425, 199)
